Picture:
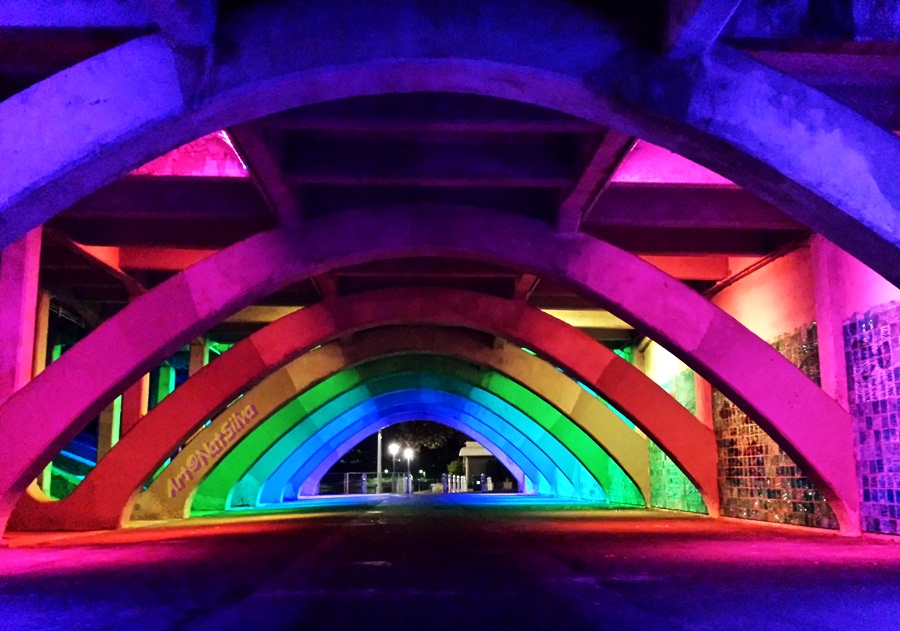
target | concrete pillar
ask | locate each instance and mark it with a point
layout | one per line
(165, 385)
(843, 287)
(135, 403)
(41, 334)
(199, 355)
(110, 428)
(703, 401)
(466, 460)
(832, 365)
(21, 317)
(19, 268)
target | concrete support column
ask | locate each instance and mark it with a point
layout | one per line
(41, 332)
(41, 335)
(830, 264)
(135, 403)
(199, 355)
(703, 401)
(19, 268)
(110, 428)
(24, 318)
(165, 385)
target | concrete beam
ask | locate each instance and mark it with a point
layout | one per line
(301, 121)
(685, 206)
(261, 314)
(711, 267)
(596, 176)
(702, 267)
(74, 14)
(189, 27)
(19, 269)
(166, 198)
(105, 260)
(694, 25)
(719, 114)
(589, 318)
(160, 259)
(266, 171)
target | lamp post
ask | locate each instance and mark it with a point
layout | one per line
(394, 449)
(378, 486)
(408, 454)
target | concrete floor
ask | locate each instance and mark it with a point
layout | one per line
(458, 563)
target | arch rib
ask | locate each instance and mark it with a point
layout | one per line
(99, 501)
(314, 480)
(276, 465)
(820, 161)
(263, 445)
(733, 359)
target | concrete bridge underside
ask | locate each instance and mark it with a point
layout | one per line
(645, 255)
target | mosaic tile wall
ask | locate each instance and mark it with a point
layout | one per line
(621, 490)
(872, 351)
(757, 480)
(669, 487)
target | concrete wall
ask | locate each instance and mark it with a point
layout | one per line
(839, 322)
(864, 350)
(777, 298)
(669, 487)
(757, 479)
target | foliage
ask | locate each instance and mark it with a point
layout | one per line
(457, 467)
(424, 435)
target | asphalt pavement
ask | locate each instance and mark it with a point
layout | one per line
(457, 563)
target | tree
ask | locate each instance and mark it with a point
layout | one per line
(426, 435)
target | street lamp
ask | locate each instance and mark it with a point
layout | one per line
(379, 487)
(408, 454)
(394, 449)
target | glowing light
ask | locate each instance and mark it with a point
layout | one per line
(224, 136)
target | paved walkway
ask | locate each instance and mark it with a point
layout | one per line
(459, 563)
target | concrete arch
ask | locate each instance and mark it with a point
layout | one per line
(429, 403)
(732, 358)
(506, 451)
(562, 470)
(311, 486)
(821, 162)
(99, 501)
(502, 399)
(586, 440)
(216, 490)
(510, 371)
(529, 475)
(269, 444)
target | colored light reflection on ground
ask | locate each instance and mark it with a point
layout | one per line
(493, 501)
(436, 562)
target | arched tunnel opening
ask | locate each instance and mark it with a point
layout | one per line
(624, 282)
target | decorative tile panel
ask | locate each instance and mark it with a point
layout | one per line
(669, 487)
(757, 479)
(872, 353)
